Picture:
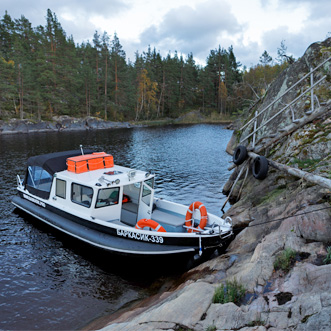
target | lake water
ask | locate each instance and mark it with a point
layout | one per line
(49, 281)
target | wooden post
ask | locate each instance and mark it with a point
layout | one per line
(255, 125)
(234, 184)
(312, 90)
(322, 181)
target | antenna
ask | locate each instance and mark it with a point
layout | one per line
(81, 148)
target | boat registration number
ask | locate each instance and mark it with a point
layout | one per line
(36, 201)
(140, 236)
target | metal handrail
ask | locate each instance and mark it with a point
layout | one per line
(289, 89)
(287, 106)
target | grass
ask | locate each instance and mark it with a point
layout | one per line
(327, 260)
(231, 292)
(285, 259)
(257, 322)
(272, 195)
(306, 164)
(211, 328)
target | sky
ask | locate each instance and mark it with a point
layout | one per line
(188, 26)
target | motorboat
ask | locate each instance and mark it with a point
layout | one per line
(85, 195)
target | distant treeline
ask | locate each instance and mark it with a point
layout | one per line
(43, 73)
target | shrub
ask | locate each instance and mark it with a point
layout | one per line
(231, 292)
(285, 259)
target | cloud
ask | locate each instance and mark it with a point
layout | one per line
(295, 43)
(31, 9)
(186, 29)
(247, 55)
(188, 26)
(74, 15)
(298, 22)
(318, 11)
(100, 7)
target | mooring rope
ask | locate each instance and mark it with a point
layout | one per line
(283, 218)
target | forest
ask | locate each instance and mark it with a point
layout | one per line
(44, 74)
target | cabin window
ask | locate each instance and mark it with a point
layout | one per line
(146, 194)
(81, 194)
(107, 197)
(60, 190)
(150, 182)
(39, 178)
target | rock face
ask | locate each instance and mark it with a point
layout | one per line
(278, 213)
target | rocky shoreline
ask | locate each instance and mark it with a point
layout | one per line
(67, 123)
(281, 213)
(58, 124)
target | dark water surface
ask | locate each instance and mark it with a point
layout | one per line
(51, 282)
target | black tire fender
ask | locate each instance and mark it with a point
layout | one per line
(260, 167)
(239, 155)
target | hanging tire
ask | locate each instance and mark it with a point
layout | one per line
(239, 155)
(260, 167)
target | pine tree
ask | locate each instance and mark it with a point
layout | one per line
(7, 29)
(7, 85)
(265, 58)
(105, 55)
(98, 70)
(118, 69)
(23, 57)
(189, 81)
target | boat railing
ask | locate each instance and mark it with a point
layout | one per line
(229, 234)
(194, 229)
(228, 220)
(19, 181)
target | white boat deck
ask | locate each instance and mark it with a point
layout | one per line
(168, 217)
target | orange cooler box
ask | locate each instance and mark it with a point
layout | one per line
(89, 162)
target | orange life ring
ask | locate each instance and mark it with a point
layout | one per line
(144, 222)
(189, 216)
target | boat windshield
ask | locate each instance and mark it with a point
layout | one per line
(39, 181)
(39, 178)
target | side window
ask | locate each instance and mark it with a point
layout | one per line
(60, 189)
(81, 194)
(146, 195)
(150, 182)
(39, 178)
(107, 197)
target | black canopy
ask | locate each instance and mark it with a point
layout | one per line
(55, 162)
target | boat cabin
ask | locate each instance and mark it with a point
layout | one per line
(90, 186)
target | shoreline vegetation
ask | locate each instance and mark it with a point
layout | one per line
(67, 123)
(44, 73)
